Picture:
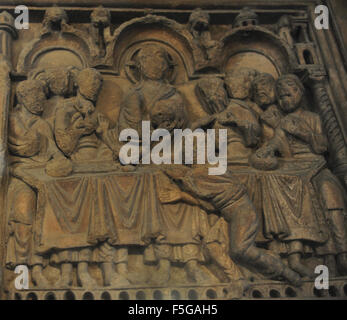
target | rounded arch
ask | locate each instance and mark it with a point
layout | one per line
(256, 45)
(52, 51)
(253, 59)
(154, 29)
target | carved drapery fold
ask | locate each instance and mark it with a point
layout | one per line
(86, 209)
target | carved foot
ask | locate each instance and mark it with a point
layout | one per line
(196, 274)
(342, 263)
(119, 281)
(39, 280)
(303, 271)
(161, 279)
(86, 281)
(162, 275)
(298, 267)
(64, 282)
(238, 288)
(84, 278)
(330, 262)
(137, 278)
(292, 277)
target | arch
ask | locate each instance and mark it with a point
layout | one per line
(159, 29)
(259, 41)
(41, 52)
(253, 59)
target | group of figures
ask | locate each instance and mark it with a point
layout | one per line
(72, 204)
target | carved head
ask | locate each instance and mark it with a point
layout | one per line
(264, 89)
(289, 92)
(199, 20)
(31, 94)
(89, 82)
(212, 94)
(246, 17)
(54, 17)
(100, 17)
(284, 21)
(85, 107)
(153, 62)
(168, 113)
(239, 82)
(58, 80)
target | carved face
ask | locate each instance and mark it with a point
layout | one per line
(100, 17)
(264, 92)
(167, 114)
(153, 63)
(59, 82)
(89, 84)
(289, 95)
(30, 93)
(85, 107)
(238, 87)
(35, 102)
(199, 20)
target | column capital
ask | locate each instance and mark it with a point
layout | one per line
(7, 24)
(313, 75)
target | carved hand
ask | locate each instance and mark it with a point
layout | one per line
(77, 121)
(59, 167)
(87, 125)
(103, 124)
(170, 196)
(203, 122)
(264, 158)
(176, 172)
(265, 152)
(296, 127)
(227, 118)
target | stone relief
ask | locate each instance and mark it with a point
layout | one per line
(80, 219)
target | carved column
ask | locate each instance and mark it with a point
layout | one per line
(337, 145)
(7, 33)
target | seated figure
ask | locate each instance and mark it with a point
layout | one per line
(169, 115)
(227, 196)
(236, 115)
(299, 135)
(77, 122)
(264, 95)
(31, 143)
(82, 133)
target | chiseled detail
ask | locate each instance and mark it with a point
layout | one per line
(90, 226)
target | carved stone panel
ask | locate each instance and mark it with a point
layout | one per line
(171, 153)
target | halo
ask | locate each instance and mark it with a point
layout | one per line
(132, 71)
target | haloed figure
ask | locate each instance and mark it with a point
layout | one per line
(153, 64)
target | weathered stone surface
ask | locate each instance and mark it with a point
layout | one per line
(85, 223)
